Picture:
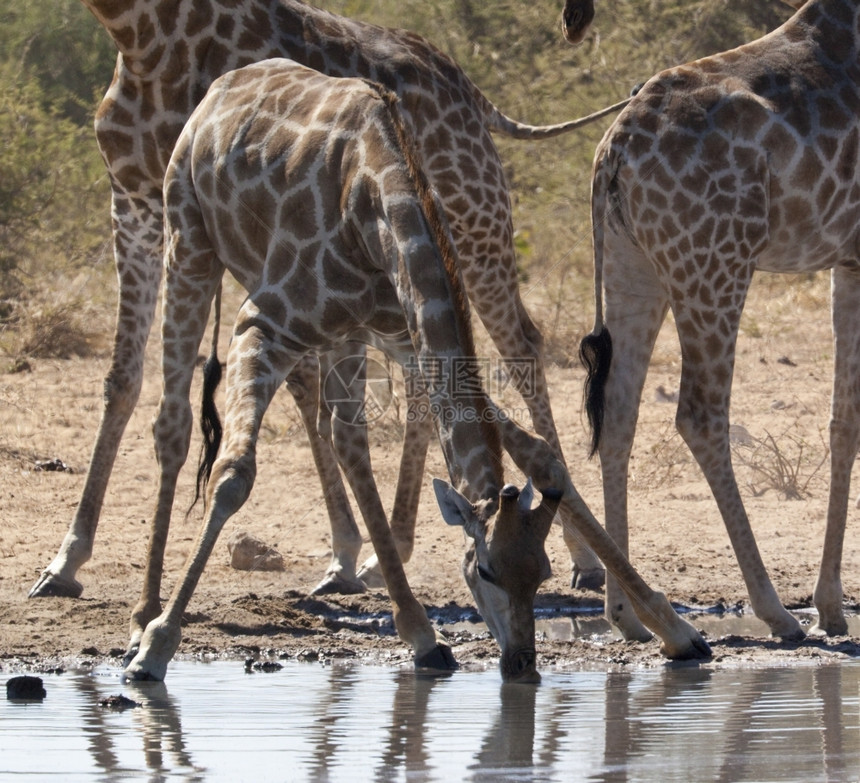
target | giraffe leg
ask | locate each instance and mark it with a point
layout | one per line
(844, 444)
(703, 422)
(304, 384)
(256, 368)
(349, 436)
(191, 285)
(635, 309)
(416, 440)
(520, 344)
(533, 456)
(485, 245)
(137, 248)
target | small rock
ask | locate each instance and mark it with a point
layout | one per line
(740, 434)
(662, 395)
(25, 687)
(53, 465)
(262, 666)
(786, 361)
(118, 702)
(250, 554)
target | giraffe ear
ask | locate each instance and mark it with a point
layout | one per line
(527, 496)
(456, 509)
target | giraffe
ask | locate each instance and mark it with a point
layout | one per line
(741, 161)
(170, 51)
(308, 190)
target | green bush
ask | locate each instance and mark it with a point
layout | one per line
(54, 195)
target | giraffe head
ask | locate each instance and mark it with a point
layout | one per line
(576, 19)
(504, 565)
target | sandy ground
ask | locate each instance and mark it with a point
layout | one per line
(678, 542)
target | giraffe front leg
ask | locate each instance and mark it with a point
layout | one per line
(304, 384)
(679, 640)
(493, 287)
(349, 436)
(416, 440)
(523, 355)
(137, 249)
(844, 444)
(257, 366)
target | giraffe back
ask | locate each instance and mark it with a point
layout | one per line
(170, 56)
(765, 135)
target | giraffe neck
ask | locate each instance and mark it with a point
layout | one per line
(438, 314)
(833, 24)
(141, 28)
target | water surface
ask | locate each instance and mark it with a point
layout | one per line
(350, 722)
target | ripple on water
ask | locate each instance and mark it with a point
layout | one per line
(214, 721)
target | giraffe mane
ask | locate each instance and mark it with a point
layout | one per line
(441, 233)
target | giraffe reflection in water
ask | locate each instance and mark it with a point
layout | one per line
(683, 723)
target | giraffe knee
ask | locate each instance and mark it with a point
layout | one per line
(230, 485)
(122, 390)
(171, 430)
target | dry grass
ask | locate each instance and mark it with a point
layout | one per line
(43, 329)
(782, 463)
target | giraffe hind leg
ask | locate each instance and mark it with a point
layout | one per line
(703, 422)
(191, 284)
(304, 384)
(138, 258)
(844, 444)
(416, 441)
(636, 307)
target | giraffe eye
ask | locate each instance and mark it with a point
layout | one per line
(485, 574)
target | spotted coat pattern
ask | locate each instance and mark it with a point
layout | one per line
(741, 161)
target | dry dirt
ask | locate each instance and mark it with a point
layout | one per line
(678, 542)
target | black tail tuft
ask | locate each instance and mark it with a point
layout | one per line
(210, 423)
(595, 353)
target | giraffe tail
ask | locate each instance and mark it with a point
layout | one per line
(595, 350)
(501, 123)
(210, 422)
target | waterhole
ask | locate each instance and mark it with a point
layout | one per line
(351, 722)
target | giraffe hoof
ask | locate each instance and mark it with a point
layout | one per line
(787, 629)
(53, 586)
(591, 579)
(796, 635)
(439, 659)
(371, 576)
(130, 655)
(696, 648)
(337, 584)
(834, 627)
